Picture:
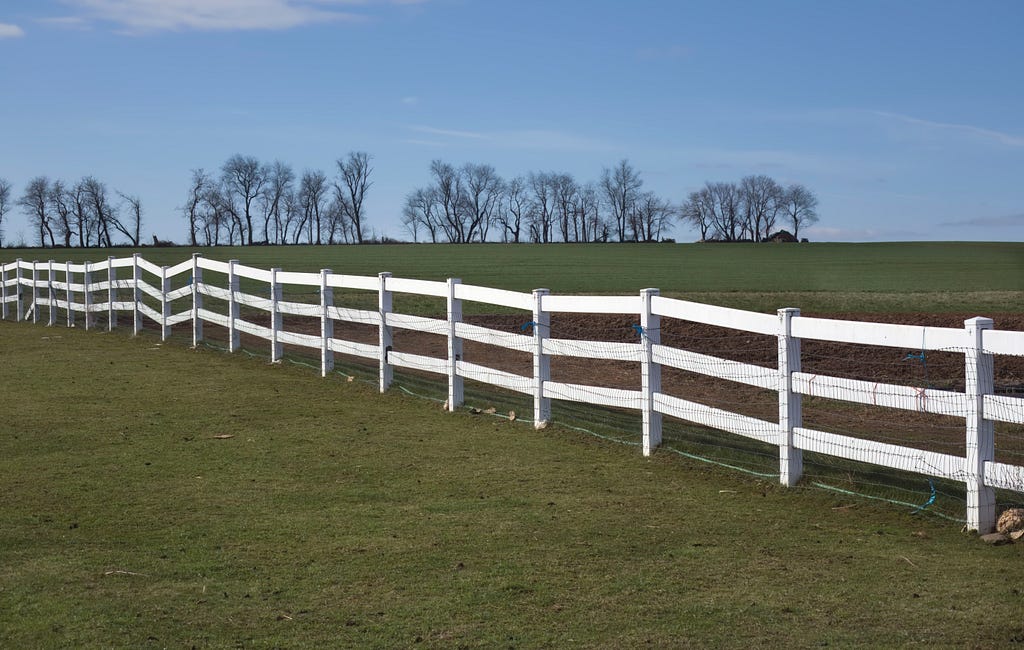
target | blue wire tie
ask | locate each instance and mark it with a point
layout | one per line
(930, 500)
(522, 328)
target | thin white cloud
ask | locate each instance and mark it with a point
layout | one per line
(1006, 221)
(410, 100)
(530, 139)
(144, 16)
(452, 133)
(66, 22)
(975, 132)
(8, 30)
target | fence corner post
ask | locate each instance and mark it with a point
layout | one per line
(276, 320)
(34, 307)
(51, 294)
(385, 338)
(650, 377)
(791, 459)
(541, 361)
(3, 292)
(111, 294)
(136, 295)
(20, 309)
(456, 385)
(165, 304)
(326, 324)
(234, 337)
(87, 295)
(197, 300)
(980, 443)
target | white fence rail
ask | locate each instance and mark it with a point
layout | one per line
(30, 289)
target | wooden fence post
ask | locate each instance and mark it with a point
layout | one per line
(3, 292)
(136, 295)
(981, 499)
(21, 300)
(51, 294)
(165, 304)
(276, 321)
(385, 338)
(35, 292)
(650, 378)
(791, 459)
(456, 385)
(111, 294)
(326, 324)
(69, 277)
(87, 295)
(197, 300)
(541, 361)
(234, 338)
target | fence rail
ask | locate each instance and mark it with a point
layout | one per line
(28, 289)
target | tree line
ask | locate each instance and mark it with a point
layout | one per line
(247, 202)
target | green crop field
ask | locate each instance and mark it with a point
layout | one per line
(819, 277)
(155, 496)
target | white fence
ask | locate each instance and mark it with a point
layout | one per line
(29, 288)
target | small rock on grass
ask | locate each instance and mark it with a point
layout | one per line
(995, 539)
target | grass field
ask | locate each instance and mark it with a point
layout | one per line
(821, 277)
(336, 517)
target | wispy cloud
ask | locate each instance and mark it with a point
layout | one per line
(66, 22)
(451, 133)
(1005, 221)
(529, 139)
(8, 30)
(968, 130)
(147, 16)
(411, 100)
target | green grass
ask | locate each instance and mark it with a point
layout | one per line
(819, 277)
(337, 517)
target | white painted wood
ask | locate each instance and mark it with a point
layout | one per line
(418, 362)
(252, 273)
(650, 371)
(124, 305)
(365, 283)
(980, 441)
(213, 265)
(179, 293)
(907, 398)
(1003, 342)
(600, 395)
(148, 266)
(145, 288)
(360, 316)
(69, 293)
(508, 340)
(362, 350)
(696, 312)
(303, 340)
(244, 326)
(182, 317)
(123, 263)
(165, 304)
(1003, 408)
(502, 297)
(300, 279)
(214, 317)
(541, 362)
(905, 459)
(592, 304)
(20, 308)
(234, 341)
(326, 324)
(791, 460)
(111, 294)
(499, 378)
(76, 268)
(1004, 477)
(611, 350)
(912, 337)
(87, 301)
(715, 418)
(276, 319)
(4, 307)
(214, 292)
(179, 268)
(418, 323)
(703, 364)
(419, 287)
(150, 313)
(456, 390)
(385, 340)
(257, 302)
(51, 294)
(302, 309)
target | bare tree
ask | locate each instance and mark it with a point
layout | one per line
(354, 176)
(565, 193)
(698, 211)
(515, 209)
(588, 207)
(651, 215)
(420, 211)
(450, 201)
(201, 183)
(244, 177)
(725, 215)
(280, 178)
(5, 204)
(133, 229)
(61, 204)
(100, 207)
(621, 186)
(313, 199)
(801, 206)
(35, 202)
(482, 196)
(542, 206)
(761, 197)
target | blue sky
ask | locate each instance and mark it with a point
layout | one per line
(905, 118)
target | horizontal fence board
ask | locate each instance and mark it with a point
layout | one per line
(124, 305)
(214, 291)
(1003, 342)
(417, 323)
(301, 279)
(180, 267)
(591, 304)
(180, 317)
(912, 337)
(362, 282)
(907, 398)
(421, 287)
(499, 378)
(256, 302)
(703, 364)
(1003, 476)
(178, 294)
(301, 340)
(254, 329)
(300, 309)
(123, 263)
(360, 316)
(610, 350)
(508, 340)
(149, 267)
(99, 286)
(151, 313)
(150, 290)
(73, 268)
(715, 418)
(737, 319)
(501, 297)
(599, 395)
(252, 273)
(906, 459)
(418, 362)
(1003, 408)
(212, 265)
(352, 348)
(98, 307)
(214, 317)
(124, 283)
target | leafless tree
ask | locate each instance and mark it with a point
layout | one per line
(515, 209)
(201, 183)
(449, 196)
(353, 182)
(565, 194)
(244, 177)
(483, 192)
(35, 202)
(761, 199)
(280, 178)
(621, 186)
(698, 211)
(593, 226)
(61, 206)
(420, 211)
(133, 229)
(100, 207)
(313, 190)
(801, 206)
(651, 215)
(5, 204)
(542, 206)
